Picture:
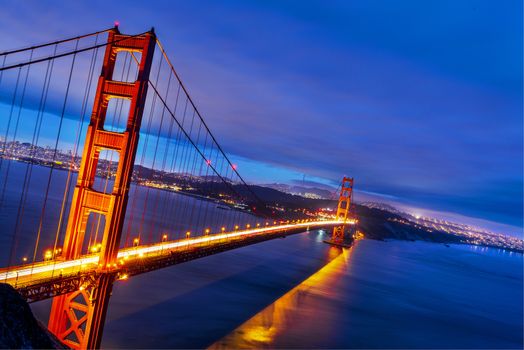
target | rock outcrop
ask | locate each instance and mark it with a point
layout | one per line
(19, 329)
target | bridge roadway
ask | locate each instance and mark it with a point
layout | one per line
(47, 279)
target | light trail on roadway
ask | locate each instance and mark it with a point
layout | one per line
(25, 274)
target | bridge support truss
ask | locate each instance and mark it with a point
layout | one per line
(340, 235)
(77, 318)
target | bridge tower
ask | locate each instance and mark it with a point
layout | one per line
(340, 235)
(77, 319)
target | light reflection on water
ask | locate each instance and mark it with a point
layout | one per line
(291, 310)
(396, 295)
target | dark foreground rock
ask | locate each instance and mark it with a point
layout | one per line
(19, 329)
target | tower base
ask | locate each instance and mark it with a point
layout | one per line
(343, 244)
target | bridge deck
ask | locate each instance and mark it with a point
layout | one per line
(50, 278)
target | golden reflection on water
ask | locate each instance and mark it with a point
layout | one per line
(261, 330)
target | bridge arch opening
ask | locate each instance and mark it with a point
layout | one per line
(106, 170)
(94, 233)
(126, 66)
(117, 114)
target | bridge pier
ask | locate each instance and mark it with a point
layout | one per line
(79, 322)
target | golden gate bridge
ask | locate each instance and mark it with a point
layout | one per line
(104, 177)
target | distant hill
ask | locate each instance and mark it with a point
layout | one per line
(304, 191)
(378, 223)
(272, 195)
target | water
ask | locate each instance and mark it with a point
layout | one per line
(298, 292)
(396, 295)
(151, 213)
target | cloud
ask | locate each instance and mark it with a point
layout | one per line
(421, 101)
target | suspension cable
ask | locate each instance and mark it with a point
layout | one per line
(74, 52)
(195, 146)
(5, 53)
(203, 122)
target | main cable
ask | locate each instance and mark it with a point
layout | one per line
(5, 53)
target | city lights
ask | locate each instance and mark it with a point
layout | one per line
(43, 269)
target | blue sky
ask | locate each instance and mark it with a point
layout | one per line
(418, 100)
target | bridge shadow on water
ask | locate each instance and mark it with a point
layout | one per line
(195, 304)
(290, 310)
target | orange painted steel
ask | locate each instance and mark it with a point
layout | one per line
(343, 210)
(77, 318)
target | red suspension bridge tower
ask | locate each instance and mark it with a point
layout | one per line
(340, 235)
(77, 318)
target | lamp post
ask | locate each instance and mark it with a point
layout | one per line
(188, 234)
(135, 244)
(164, 239)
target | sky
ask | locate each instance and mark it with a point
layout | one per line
(420, 101)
